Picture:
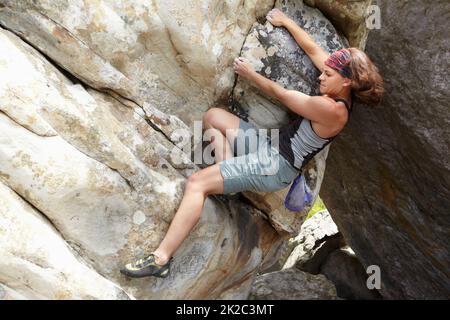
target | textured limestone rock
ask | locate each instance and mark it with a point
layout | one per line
(36, 263)
(175, 55)
(292, 284)
(330, 257)
(315, 233)
(312, 260)
(103, 167)
(348, 16)
(104, 178)
(388, 178)
(275, 54)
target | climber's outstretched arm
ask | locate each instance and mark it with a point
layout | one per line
(317, 109)
(303, 39)
(243, 68)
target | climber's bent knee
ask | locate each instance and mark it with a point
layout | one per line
(194, 183)
(207, 181)
(221, 120)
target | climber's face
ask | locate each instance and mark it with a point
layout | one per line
(332, 83)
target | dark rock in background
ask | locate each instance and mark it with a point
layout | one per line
(347, 16)
(387, 183)
(345, 271)
(292, 284)
(318, 255)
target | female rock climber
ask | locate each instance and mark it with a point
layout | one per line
(345, 74)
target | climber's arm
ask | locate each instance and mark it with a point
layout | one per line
(317, 109)
(303, 39)
(269, 87)
(311, 48)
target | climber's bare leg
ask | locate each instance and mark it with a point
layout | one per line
(198, 187)
(220, 145)
(223, 127)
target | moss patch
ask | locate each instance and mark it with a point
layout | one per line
(318, 206)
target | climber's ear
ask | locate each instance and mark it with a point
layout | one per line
(347, 82)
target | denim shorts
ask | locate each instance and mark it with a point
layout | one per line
(257, 165)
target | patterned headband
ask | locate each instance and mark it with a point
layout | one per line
(340, 61)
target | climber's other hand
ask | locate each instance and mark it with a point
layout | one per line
(277, 17)
(243, 67)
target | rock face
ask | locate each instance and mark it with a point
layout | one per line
(104, 179)
(175, 55)
(292, 284)
(387, 184)
(92, 97)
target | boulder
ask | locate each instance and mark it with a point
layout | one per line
(37, 263)
(292, 284)
(93, 99)
(174, 55)
(320, 249)
(274, 53)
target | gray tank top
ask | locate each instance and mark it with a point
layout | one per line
(299, 143)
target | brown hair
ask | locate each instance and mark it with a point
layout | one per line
(367, 83)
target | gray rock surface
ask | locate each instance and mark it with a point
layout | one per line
(292, 284)
(36, 262)
(88, 154)
(104, 178)
(274, 53)
(175, 55)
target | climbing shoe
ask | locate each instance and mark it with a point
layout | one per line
(146, 267)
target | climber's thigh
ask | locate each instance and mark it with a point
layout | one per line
(226, 122)
(208, 180)
(262, 171)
